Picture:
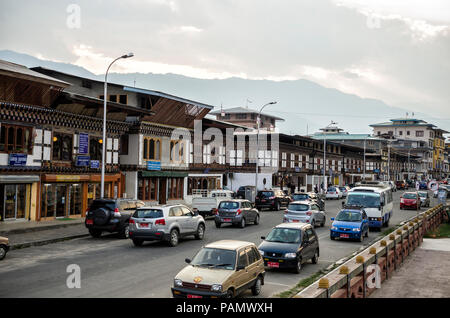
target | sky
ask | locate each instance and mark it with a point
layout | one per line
(395, 51)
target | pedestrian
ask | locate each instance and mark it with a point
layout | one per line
(292, 188)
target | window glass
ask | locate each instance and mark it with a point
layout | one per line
(310, 234)
(252, 256)
(176, 211)
(186, 211)
(242, 260)
(148, 213)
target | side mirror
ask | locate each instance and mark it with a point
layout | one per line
(263, 237)
(187, 260)
(332, 219)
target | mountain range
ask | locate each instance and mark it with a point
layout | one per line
(306, 106)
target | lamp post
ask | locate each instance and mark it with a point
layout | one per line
(258, 121)
(389, 161)
(364, 168)
(105, 98)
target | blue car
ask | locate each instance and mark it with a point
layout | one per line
(350, 224)
(423, 186)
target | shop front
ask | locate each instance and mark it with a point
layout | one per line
(69, 196)
(161, 186)
(16, 197)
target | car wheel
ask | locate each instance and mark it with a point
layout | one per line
(230, 293)
(332, 238)
(256, 220)
(367, 233)
(137, 242)
(2, 252)
(323, 223)
(298, 266)
(200, 232)
(256, 289)
(95, 233)
(242, 224)
(125, 232)
(173, 239)
(218, 224)
(315, 259)
(313, 223)
(277, 206)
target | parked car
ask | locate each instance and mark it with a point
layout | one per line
(305, 196)
(241, 192)
(424, 198)
(111, 215)
(305, 212)
(236, 212)
(272, 199)
(393, 186)
(4, 247)
(401, 185)
(344, 191)
(423, 185)
(333, 193)
(410, 200)
(165, 223)
(290, 245)
(207, 206)
(221, 269)
(350, 224)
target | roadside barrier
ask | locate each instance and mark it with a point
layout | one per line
(358, 277)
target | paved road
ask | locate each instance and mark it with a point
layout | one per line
(112, 267)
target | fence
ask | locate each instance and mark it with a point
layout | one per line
(356, 278)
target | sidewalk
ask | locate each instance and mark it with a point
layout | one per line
(30, 233)
(423, 274)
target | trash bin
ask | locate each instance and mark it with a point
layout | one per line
(250, 193)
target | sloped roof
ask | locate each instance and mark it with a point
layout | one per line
(243, 110)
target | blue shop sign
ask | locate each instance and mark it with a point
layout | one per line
(95, 164)
(17, 159)
(82, 161)
(153, 165)
(83, 144)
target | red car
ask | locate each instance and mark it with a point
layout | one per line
(410, 200)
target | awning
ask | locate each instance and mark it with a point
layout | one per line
(19, 179)
(169, 174)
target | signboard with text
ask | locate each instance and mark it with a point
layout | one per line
(82, 161)
(83, 144)
(95, 164)
(153, 165)
(17, 159)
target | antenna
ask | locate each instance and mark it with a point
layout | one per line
(248, 101)
(222, 113)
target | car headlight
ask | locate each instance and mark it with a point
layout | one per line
(178, 283)
(261, 252)
(356, 229)
(334, 228)
(216, 288)
(290, 255)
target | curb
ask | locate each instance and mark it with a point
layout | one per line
(45, 242)
(37, 229)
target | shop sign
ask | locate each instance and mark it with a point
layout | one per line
(82, 161)
(95, 164)
(67, 178)
(153, 165)
(297, 169)
(83, 144)
(17, 159)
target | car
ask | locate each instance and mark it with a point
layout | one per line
(236, 212)
(350, 223)
(424, 198)
(410, 200)
(241, 193)
(272, 199)
(393, 186)
(344, 191)
(4, 247)
(166, 223)
(305, 212)
(222, 269)
(207, 206)
(110, 215)
(311, 196)
(290, 245)
(333, 193)
(423, 185)
(401, 185)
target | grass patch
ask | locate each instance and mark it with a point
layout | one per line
(443, 231)
(389, 230)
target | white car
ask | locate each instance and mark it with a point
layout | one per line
(333, 193)
(304, 212)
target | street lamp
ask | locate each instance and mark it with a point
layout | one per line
(258, 121)
(364, 168)
(105, 97)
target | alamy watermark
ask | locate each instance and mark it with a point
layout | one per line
(73, 20)
(74, 278)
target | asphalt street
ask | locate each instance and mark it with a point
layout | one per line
(112, 267)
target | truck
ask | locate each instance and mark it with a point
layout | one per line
(208, 205)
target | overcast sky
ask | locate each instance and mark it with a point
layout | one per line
(396, 51)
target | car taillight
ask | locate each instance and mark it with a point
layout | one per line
(238, 212)
(131, 221)
(160, 222)
(271, 198)
(308, 213)
(402, 200)
(116, 212)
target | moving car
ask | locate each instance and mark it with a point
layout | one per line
(272, 199)
(344, 191)
(165, 223)
(333, 193)
(236, 212)
(424, 198)
(290, 245)
(305, 212)
(350, 223)
(206, 206)
(401, 185)
(4, 247)
(423, 185)
(221, 269)
(410, 200)
(302, 196)
(110, 215)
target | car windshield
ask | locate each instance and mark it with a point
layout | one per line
(228, 205)
(300, 197)
(283, 235)
(298, 207)
(409, 196)
(367, 200)
(266, 194)
(215, 258)
(349, 216)
(97, 204)
(423, 194)
(331, 189)
(148, 214)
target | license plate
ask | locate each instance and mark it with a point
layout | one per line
(227, 220)
(194, 296)
(345, 236)
(273, 264)
(263, 200)
(143, 224)
(90, 222)
(295, 221)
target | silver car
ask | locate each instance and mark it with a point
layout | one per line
(237, 212)
(305, 212)
(165, 223)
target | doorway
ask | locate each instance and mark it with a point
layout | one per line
(162, 190)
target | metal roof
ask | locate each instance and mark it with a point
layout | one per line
(345, 136)
(243, 110)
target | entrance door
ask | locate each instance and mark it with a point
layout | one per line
(75, 200)
(61, 200)
(10, 202)
(162, 190)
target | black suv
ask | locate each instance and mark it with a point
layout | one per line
(110, 215)
(272, 199)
